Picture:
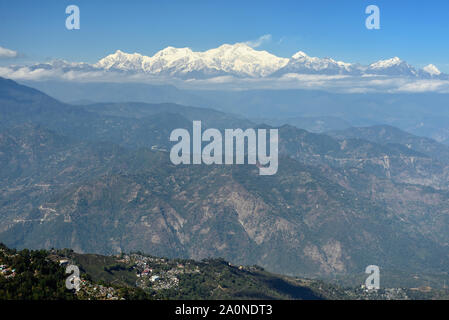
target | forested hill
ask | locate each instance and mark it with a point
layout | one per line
(40, 274)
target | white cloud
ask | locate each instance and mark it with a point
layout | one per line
(259, 41)
(441, 86)
(8, 53)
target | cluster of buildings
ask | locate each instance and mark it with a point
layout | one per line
(7, 272)
(97, 291)
(379, 294)
(157, 273)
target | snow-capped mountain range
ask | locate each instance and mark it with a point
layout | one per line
(238, 60)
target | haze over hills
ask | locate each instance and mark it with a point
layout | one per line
(422, 114)
(85, 177)
(385, 134)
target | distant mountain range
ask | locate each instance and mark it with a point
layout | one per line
(238, 60)
(87, 177)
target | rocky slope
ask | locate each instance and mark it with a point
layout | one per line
(87, 179)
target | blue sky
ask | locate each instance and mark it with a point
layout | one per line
(416, 31)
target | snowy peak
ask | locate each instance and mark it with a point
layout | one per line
(238, 60)
(241, 59)
(172, 51)
(302, 63)
(382, 64)
(432, 70)
(299, 55)
(121, 61)
(392, 67)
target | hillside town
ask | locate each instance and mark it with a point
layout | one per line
(157, 273)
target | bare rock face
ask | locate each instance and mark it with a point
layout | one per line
(337, 203)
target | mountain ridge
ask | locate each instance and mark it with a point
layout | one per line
(239, 60)
(335, 205)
